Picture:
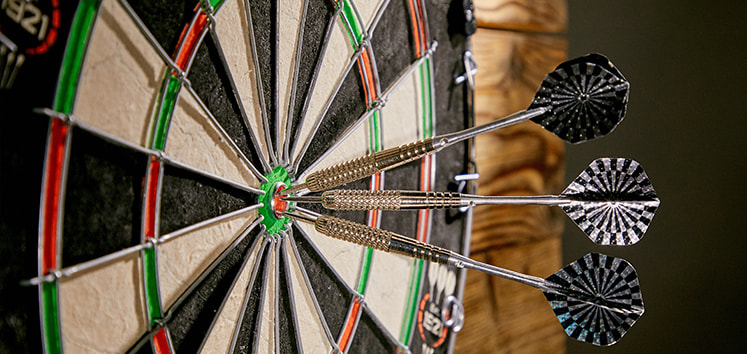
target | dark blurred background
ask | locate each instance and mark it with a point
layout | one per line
(685, 125)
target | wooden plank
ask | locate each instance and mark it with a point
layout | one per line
(524, 159)
(507, 317)
(511, 67)
(500, 315)
(523, 15)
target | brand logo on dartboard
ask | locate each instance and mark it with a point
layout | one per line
(433, 310)
(26, 28)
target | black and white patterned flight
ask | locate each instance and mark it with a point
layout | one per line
(612, 201)
(597, 300)
(587, 98)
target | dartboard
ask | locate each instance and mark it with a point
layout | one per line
(143, 145)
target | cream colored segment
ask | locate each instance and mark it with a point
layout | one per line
(402, 116)
(367, 10)
(221, 335)
(290, 24)
(387, 290)
(336, 59)
(182, 259)
(120, 78)
(355, 145)
(233, 29)
(310, 330)
(195, 141)
(103, 310)
(267, 332)
(344, 257)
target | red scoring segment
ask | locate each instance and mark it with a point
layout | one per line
(161, 342)
(151, 195)
(52, 186)
(189, 39)
(349, 326)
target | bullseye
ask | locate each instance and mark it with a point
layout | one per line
(278, 205)
(273, 207)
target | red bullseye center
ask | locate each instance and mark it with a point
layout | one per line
(279, 206)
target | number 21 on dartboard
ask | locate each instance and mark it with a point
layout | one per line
(28, 16)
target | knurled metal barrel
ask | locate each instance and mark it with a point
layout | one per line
(353, 232)
(365, 166)
(341, 199)
(383, 240)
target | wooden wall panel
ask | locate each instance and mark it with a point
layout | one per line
(524, 159)
(507, 317)
(523, 15)
(513, 58)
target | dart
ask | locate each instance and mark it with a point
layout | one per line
(596, 298)
(612, 201)
(582, 99)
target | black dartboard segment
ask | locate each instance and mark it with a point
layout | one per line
(210, 80)
(392, 43)
(166, 29)
(190, 321)
(247, 337)
(188, 198)
(103, 199)
(286, 312)
(333, 296)
(371, 337)
(346, 109)
(264, 23)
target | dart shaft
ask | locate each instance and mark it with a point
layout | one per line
(459, 261)
(408, 200)
(515, 118)
(544, 285)
(513, 200)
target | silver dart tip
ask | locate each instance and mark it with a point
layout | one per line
(303, 198)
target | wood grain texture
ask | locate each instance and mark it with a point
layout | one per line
(523, 15)
(524, 159)
(504, 316)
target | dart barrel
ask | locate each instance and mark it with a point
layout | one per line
(389, 200)
(382, 240)
(367, 165)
